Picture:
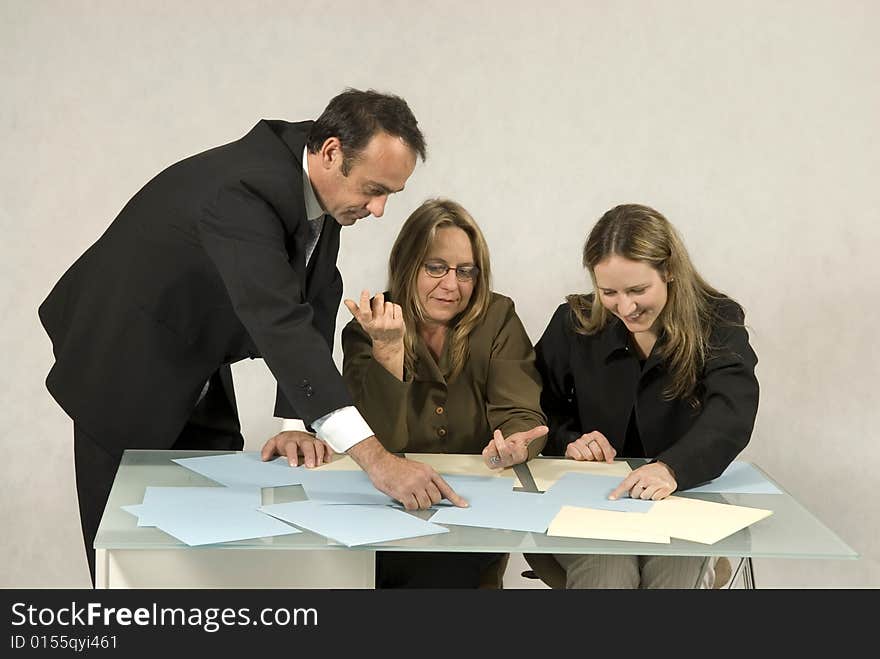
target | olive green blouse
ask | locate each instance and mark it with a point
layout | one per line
(499, 387)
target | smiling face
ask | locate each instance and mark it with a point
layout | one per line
(632, 290)
(378, 171)
(443, 298)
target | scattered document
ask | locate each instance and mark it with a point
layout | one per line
(572, 522)
(585, 490)
(514, 511)
(353, 525)
(700, 521)
(546, 471)
(207, 515)
(345, 506)
(462, 465)
(477, 488)
(158, 499)
(201, 527)
(137, 510)
(739, 478)
(343, 487)
(244, 469)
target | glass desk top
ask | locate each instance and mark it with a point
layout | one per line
(790, 532)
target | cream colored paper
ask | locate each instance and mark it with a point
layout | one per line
(573, 522)
(547, 472)
(464, 465)
(444, 463)
(700, 521)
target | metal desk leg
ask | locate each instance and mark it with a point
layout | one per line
(748, 569)
(749, 575)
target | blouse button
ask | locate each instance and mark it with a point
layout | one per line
(441, 432)
(439, 410)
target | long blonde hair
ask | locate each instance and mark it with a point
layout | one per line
(406, 262)
(640, 233)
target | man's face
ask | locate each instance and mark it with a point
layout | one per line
(380, 169)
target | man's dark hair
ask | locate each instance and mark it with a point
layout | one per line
(354, 116)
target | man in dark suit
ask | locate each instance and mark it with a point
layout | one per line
(229, 254)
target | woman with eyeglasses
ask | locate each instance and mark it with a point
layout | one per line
(441, 364)
(656, 364)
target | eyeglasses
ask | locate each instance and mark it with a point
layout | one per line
(464, 273)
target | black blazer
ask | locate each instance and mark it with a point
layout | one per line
(593, 383)
(203, 267)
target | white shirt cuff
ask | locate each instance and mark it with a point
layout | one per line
(342, 428)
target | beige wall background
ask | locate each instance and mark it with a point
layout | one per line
(753, 125)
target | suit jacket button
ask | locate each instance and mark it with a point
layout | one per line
(439, 410)
(441, 432)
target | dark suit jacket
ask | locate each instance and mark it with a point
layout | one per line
(594, 383)
(203, 267)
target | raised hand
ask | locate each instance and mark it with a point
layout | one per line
(381, 320)
(501, 453)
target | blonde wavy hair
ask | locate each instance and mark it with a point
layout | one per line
(640, 233)
(407, 260)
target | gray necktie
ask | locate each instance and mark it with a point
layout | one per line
(315, 227)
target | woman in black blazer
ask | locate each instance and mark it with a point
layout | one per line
(657, 364)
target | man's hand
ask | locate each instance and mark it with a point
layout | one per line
(416, 485)
(501, 453)
(381, 320)
(591, 446)
(293, 443)
(652, 481)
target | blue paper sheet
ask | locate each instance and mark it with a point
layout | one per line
(353, 525)
(207, 515)
(343, 487)
(205, 527)
(157, 499)
(591, 491)
(355, 488)
(502, 509)
(473, 488)
(739, 478)
(137, 510)
(245, 469)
